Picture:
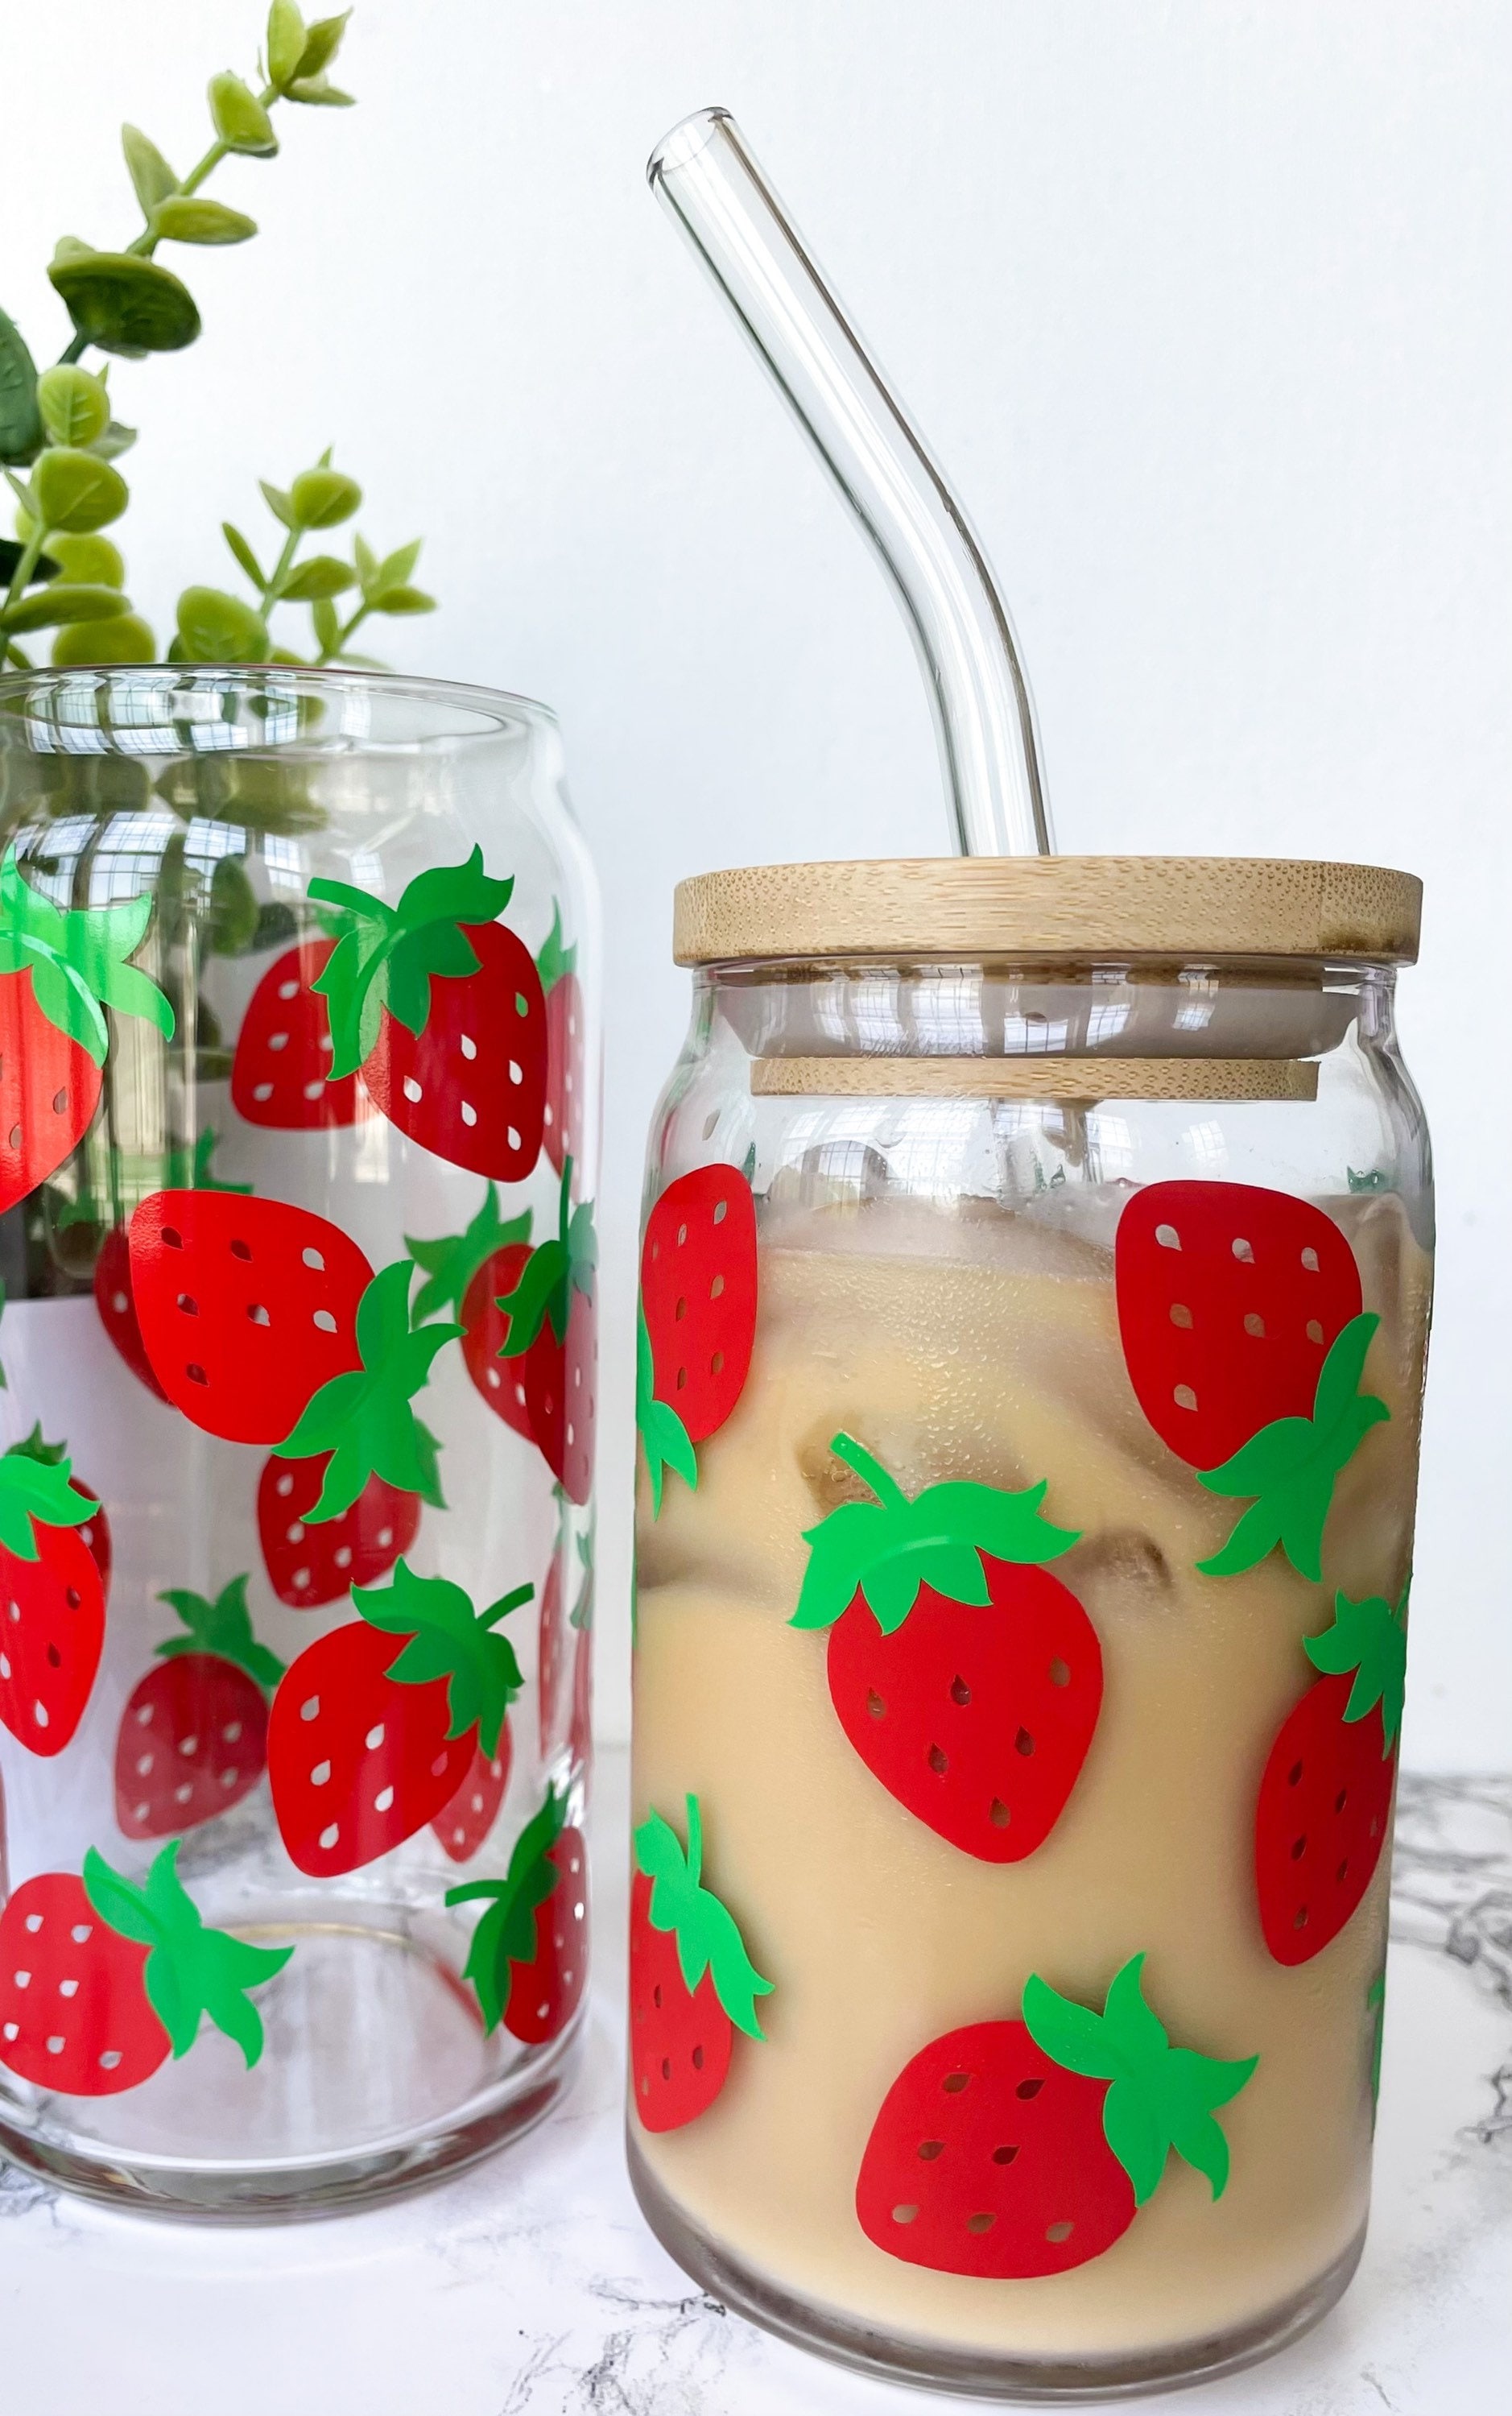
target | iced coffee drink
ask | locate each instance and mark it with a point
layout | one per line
(1023, 1578)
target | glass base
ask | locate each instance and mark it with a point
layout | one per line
(376, 2079)
(976, 2374)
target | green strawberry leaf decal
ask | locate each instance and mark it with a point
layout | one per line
(450, 1263)
(223, 1627)
(505, 1933)
(555, 962)
(665, 1438)
(1289, 1466)
(449, 1639)
(35, 1483)
(1162, 2096)
(191, 1971)
(77, 958)
(387, 955)
(888, 1548)
(708, 1938)
(553, 1272)
(582, 1614)
(1375, 2005)
(1369, 1638)
(363, 1418)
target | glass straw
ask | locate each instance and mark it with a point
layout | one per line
(984, 715)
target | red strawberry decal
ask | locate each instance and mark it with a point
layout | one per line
(691, 1983)
(565, 1028)
(60, 967)
(529, 1956)
(1012, 2149)
(376, 1725)
(51, 1601)
(193, 1736)
(112, 1268)
(552, 1335)
(284, 1049)
(1325, 1808)
(967, 1678)
(1239, 1311)
(466, 1272)
(101, 1980)
(441, 1008)
(309, 1565)
(466, 1823)
(95, 1529)
(295, 1341)
(697, 1317)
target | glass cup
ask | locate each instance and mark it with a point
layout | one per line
(1035, 1295)
(299, 1082)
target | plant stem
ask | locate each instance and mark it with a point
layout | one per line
(25, 567)
(142, 246)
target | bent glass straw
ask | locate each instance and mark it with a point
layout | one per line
(706, 175)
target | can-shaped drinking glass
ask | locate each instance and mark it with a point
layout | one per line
(1035, 1293)
(298, 1151)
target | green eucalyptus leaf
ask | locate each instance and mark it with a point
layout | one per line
(287, 35)
(322, 43)
(322, 576)
(112, 440)
(90, 558)
(231, 925)
(245, 559)
(321, 498)
(21, 423)
(317, 92)
(74, 404)
(214, 628)
(278, 504)
(185, 218)
(125, 638)
(123, 303)
(403, 599)
(64, 600)
(241, 121)
(151, 178)
(75, 490)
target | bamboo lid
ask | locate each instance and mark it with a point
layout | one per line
(954, 907)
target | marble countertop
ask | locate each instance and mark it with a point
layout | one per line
(529, 2287)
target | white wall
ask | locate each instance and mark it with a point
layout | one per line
(1203, 304)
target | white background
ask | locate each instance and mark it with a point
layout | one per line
(1203, 304)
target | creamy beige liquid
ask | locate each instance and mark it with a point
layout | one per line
(989, 1349)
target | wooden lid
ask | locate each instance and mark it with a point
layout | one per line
(955, 907)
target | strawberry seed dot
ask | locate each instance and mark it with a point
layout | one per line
(1167, 1236)
(997, 1813)
(328, 1837)
(954, 2082)
(1255, 1327)
(1023, 1743)
(110, 2057)
(981, 2221)
(875, 1705)
(311, 1258)
(1314, 1332)
(60, 1100)
(1028, 2088)
(411, 1090)
(1184, 1397)
(1181, 1315)
(1310, 1260)
(1056, 2232)
(1294, 1775)
(930, 2148)
(243, 1250)
(1340, 1798)
(698, 2058)
(469, 1113)
(1299, 1847)
(938, 1762)
(323, 1320)
(960, 1691)
(905, 2214)
(721, 1211)
(1004, 2155)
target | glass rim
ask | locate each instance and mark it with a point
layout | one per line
(492, 708)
